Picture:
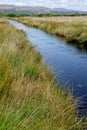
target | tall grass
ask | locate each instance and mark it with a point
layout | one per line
(72, 28)
(29, 99)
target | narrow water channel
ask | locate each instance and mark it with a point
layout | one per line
(69, 65)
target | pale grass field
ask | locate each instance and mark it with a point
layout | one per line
(70, 19)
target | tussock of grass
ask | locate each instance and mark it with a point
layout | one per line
(74, 29)
(31, 101)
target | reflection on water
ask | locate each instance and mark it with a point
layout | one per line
(69, 64)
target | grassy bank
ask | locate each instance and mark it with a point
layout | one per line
(72, 28)
(29, 99)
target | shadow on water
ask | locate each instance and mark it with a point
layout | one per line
(67, 61)
(82, 47)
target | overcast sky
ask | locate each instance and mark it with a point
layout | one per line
(70, 4)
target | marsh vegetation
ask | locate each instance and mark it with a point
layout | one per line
(72, 28)
(28, 97)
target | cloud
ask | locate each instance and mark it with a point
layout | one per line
(20, 4)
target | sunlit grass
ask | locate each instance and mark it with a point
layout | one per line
(29, 100)
(73, 29)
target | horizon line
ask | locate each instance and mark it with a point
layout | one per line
(42, 6)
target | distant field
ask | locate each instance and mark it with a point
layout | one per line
(58, 19)
(72, 28)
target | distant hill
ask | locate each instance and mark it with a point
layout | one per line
(6, 9)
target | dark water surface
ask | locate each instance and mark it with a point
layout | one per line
(69, 65)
